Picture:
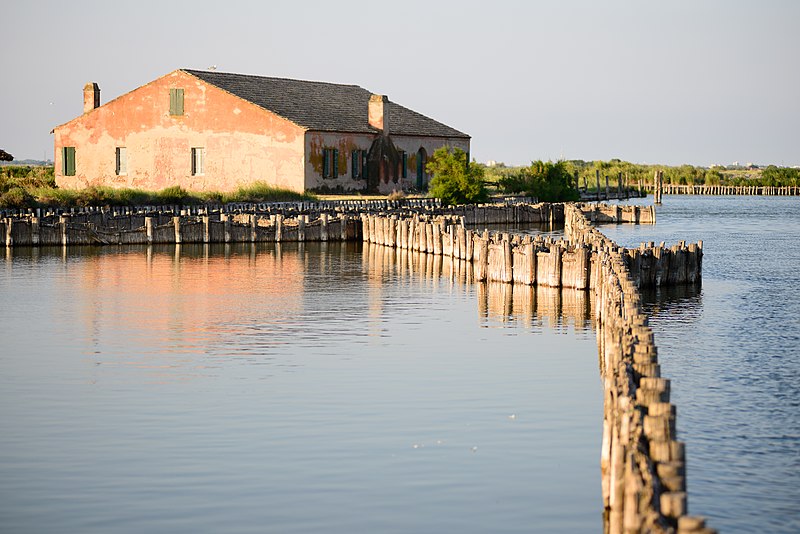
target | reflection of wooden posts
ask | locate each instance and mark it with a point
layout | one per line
(597, 177)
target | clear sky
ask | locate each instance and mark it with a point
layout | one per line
(695, 81)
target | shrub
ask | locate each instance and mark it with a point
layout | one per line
(454, 180)
(548, 182)
(15, 197)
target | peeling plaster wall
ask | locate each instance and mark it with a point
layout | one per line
(345, 143)
(243, 143)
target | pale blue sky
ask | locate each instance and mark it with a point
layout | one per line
(674, 82)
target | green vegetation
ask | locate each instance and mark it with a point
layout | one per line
(584, 175)
(28, 187)
(548, 182)
(455, 180)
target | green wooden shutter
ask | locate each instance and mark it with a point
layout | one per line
(325, 162)
(176, 101)
(355, 159)
(405, 165)
(68, 163)
(335, 165)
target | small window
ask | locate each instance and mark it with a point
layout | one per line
(176, 101)
(198, 161)
(122, 161)
(68, 161)
(364, 165)
(330, 163)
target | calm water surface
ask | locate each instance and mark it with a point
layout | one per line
(732, 351)
(291, 389)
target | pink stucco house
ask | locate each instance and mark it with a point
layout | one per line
(215, 131)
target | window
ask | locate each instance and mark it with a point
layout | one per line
(68, 161)
(330, 163)
(122, 161)
(198, 161)
(176, 101)
(359, 164)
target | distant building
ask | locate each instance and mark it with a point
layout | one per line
(214, 131)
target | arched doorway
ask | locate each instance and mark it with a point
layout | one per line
(422, 162)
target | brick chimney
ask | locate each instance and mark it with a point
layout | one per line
(91, 97)
(379, 113)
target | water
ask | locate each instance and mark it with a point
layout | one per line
(732, 350)
(291, 389)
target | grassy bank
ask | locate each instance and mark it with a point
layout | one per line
(30, 187)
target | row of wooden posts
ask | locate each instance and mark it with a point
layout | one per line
(642, 463)
(722, 190)
(174, 225)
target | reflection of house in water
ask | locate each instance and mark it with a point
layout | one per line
(187, 295)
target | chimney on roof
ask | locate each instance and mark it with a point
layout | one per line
(91, 97)
(379, 113)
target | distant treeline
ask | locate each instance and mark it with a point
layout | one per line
(633, 173)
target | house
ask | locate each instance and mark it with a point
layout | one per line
(215, 131)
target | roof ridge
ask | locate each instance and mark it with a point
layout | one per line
(259, 76)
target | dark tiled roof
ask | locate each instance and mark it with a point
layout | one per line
(322, 106)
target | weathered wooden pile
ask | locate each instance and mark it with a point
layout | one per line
(643, 465)
(536, 260)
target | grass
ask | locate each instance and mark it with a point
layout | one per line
(32, 187)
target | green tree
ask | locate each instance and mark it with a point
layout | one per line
(454, 180)
(547, 181)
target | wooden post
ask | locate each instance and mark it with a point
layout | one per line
(35, 231)
(206, 229)
(323, 229)
(597, 177)
(608, 194)
(9, 232)
(278, 228)
(176, 222)
(148, 228)
(301, 228)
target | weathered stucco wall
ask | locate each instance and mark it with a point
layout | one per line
(243, 143)
(317, 142)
